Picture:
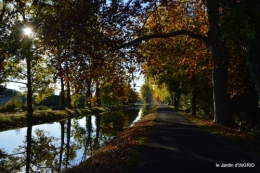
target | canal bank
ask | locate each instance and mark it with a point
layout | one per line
(10, 121)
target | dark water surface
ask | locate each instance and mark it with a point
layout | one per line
(60, 145)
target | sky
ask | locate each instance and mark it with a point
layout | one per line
(14, 86)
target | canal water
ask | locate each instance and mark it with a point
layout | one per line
(61, 145)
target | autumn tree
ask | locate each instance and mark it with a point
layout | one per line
(6, 20)
(207, 12)
(240, 26)
(78, 44)
(180, 65)
(146, 94)
(29, 53)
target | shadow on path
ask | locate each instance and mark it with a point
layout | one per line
(178, 146)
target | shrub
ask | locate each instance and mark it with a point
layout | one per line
(42, 108)
(12, 105)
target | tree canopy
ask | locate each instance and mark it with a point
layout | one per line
(92, 45)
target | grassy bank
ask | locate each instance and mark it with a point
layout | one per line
(11, 121)
(123, 152)
(245, 139)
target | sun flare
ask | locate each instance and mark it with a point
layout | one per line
(27, 31)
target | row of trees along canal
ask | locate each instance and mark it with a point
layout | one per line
(91, 44)
(45, 42)
(193, 46)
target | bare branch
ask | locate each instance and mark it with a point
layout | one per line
(167, 35)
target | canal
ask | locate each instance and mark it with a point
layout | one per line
(60, 145)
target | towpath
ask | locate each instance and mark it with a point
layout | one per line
(178, 146)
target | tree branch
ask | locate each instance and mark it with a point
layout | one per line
(167, 35)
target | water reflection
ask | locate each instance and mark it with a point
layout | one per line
(46, 149)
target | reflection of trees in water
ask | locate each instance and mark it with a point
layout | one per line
(44, 149)
(88, 148)
(98, 126)
(17, 131)
(13, 162)
(62, 127)
(21, 159)
(83, 137)
(10, 163)
(111, 123)
(43, 152)
(28, 147)
(37, 153)
(67, 151)
(130, 115)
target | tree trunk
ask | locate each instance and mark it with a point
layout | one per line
(88, 94)
(254, 64)
(98, 101)
(220, 95)
(29, 91)
(220, 60)
(68, 95)
(172, 97)
(29, 107)
(62, 94)
(176, 103)
(194, 96)
(68, 86)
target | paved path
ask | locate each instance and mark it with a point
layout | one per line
(178, 146)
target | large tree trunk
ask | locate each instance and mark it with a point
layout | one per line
(68, 95)
(220, 60)
(29, 91)
(220, 96)
(68, 85)
(62, 93)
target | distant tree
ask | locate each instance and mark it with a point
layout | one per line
(146, 94)
(11, 92)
